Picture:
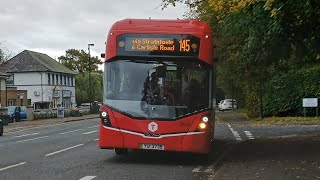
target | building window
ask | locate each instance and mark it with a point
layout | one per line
(68, 79)
(60, 79)
(49, 78)
(71, 80)
(52, 79)
(65, 80)
(10, 80)
(57, 79)
(29, 102)
(11, 102)
(54, 103)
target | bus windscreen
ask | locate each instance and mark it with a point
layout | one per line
(157, 90)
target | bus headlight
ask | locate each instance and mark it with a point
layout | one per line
(105, 118)
(202, 126)
(104, 114)
(205, 119)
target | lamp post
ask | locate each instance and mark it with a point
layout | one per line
(90, 96)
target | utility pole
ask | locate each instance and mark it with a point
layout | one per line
(90, 95)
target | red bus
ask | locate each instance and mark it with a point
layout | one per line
(158, 86)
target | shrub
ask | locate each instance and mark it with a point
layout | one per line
(45, 114)
(284, 93)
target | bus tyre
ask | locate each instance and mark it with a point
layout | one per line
(120, 151)
(1, 130)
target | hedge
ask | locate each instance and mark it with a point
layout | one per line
(284, 93)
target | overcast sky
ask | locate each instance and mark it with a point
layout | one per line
(53, 26)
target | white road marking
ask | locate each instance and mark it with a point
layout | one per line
(91, 132)
(197, 169)
(249, 135)
(27, 135)
(71, 131)
(88, 177)
(12, 166)
(93, 126)
(31, 139)
(235, 133)
(62, 150)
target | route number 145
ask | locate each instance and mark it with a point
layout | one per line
(185, 45)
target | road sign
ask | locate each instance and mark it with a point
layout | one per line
(310, 102)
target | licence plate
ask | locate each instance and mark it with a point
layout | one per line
(152, 146)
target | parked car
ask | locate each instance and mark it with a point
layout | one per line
(12, 110)
(84, 106)
(226, 104)
(1, 128)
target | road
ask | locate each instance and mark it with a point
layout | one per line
(70, 151)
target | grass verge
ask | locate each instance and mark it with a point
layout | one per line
(287, 119)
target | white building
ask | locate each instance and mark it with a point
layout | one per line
(49, 84)
(3, 97)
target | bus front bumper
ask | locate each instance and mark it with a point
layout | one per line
(197, 142)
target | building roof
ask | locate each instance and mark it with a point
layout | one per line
(3, 75)
(30, 61)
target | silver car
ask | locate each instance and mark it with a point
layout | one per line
(227, 104)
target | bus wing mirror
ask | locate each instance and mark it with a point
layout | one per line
(103, 55)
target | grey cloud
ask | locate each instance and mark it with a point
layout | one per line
(57, 25)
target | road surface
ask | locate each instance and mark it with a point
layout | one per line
(70, 151)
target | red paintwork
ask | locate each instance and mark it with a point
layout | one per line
(200, 143)
(148, 26)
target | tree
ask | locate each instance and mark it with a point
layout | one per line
(82, 87)
(259, 39)
(5, 54)
(78, 61)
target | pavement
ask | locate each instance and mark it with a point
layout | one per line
(240, 151)
(288, 150)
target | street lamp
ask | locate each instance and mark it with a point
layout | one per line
(90, 95)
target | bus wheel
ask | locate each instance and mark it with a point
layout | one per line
(120, 151)
(1, 130)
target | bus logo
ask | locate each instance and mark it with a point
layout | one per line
(153, 126)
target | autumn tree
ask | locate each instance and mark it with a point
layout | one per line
(259, 39)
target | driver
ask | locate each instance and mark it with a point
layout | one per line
(152, 90)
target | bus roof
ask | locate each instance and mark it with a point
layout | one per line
(161, 25)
